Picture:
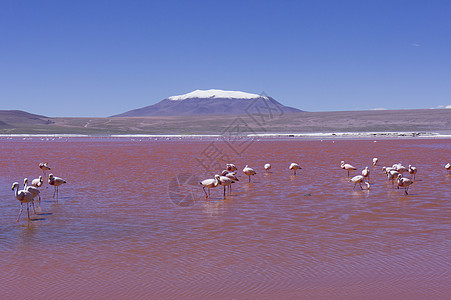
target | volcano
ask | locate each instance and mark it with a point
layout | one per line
(211, 102)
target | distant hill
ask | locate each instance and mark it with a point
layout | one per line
(17, 117)
(211, 102)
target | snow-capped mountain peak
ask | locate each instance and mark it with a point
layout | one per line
(215, 94)
(211, 102)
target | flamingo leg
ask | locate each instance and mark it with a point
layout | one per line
(28, 211)
(57, 193)
(206, 196)
(34, 209)
(224, 191)
(20, 212)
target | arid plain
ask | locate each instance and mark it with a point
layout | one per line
(420, 120)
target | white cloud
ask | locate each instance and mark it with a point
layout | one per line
(379, 108)
(416, 45)
(448, 106)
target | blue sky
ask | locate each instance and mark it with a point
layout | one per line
(100, 58)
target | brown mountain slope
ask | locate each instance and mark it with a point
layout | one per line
(18, 117)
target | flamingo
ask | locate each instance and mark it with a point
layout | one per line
(231, 175)
(44, 167)
(413, 171)
(294, 167)
(267, 167)
(392, 175)
(400, 168)
(366, 173)
(404, 182)
(448, 167)
(347, 167)
(249, 172)
(375, 160)
(37, 182)
(56, 182)
(24, 197)
(359, 179)
(225, 181)
(33, 190)
(387, 169)
(231, 167)
(209, 183)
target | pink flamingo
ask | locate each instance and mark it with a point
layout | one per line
(347, 167)
(209, 183)
(56, 182)
(24, 197)
(249, 172)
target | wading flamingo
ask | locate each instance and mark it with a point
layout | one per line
(37, 182)
(33, 190)
(225, 181)
(400, 168)
(347, 167)
(386, 170)
(366, 173)
(44, 167)
(56, 182)
(231, 167)
(359, 179)
(404, 182)
(294, 167)
(448, 167)
(267, 167)
(392, 175)
(413, 171)
(231, 175)
(375, 159)
(24, 197)
(209, 183)
(249, 172)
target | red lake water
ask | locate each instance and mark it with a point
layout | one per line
(132, 221)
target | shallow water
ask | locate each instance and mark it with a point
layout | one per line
(132, 221)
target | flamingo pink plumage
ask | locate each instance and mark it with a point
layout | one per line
(56, 182)
(249, 172)
(24, 197)
(209, 183)
(347, 167)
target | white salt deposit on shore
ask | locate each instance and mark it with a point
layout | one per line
(259, 135)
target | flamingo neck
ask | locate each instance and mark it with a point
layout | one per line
(16, 191)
